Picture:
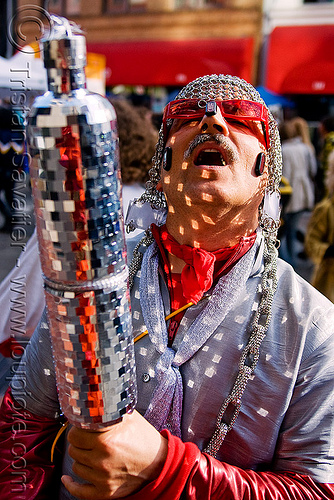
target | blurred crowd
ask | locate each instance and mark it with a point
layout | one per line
(310, 177)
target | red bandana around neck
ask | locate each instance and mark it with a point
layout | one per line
(202, 267)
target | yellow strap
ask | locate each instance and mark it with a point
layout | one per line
(59, 433)
(140, 336)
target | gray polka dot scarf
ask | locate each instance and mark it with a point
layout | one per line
(165, 408)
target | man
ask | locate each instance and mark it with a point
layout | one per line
(243, 371)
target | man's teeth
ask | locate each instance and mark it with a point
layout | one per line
(210, 157)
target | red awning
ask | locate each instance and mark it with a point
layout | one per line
(301, 60)
(174, 62)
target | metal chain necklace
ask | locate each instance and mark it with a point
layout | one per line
(250, 354)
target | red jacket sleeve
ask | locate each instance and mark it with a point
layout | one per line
(189, 474)
(26, 470)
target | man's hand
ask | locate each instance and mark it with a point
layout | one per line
(117, 461)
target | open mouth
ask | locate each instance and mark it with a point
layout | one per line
(209, 157)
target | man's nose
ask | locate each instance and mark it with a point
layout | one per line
(213, 121)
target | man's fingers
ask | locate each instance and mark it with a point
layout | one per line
(85, 473)
(79, 455)
(82, 491)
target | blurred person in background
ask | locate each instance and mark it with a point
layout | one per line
(326, 131)
(137, 138)
(319, 240)
(302, 130)
(299, 168)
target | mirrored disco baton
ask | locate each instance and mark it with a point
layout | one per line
(76, 187)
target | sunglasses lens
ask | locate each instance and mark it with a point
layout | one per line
(184, 109)
(242, 109)
(246, 110)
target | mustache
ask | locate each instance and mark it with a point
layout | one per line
(231, 153)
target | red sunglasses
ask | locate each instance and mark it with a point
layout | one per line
(231, 109)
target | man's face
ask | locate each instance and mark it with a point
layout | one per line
(213, 166)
